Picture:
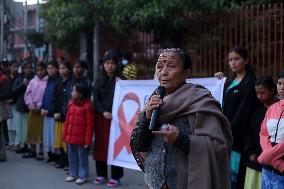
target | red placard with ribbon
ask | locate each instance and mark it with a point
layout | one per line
(125, 128)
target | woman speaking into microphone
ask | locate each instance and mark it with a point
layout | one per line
(190, 148)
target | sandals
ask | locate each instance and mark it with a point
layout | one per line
(100, 180)
(113, 183)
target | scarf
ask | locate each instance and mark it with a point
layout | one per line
(211, 138)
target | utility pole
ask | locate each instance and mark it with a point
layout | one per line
(2, 30)
(26, 23)
(96, 51)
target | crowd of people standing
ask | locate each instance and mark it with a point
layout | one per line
(248, 104)
(194, 136)
(54, 113)
(50, 111)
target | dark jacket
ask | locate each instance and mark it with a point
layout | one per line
(103, 98)
(13, 95)
(19, 90)
(252, 144)
(252, 139)
(79, 124)
(238, 105)
(63, 96)
(49, 95)
(5, 86)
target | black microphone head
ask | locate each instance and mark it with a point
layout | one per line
(161, 90)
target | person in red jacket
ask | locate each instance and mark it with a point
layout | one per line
(78, 133)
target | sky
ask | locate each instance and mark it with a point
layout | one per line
(30, 2)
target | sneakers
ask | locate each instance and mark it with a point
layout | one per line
(113, 183)
(80, 180)
(70, 179)
(100, 180)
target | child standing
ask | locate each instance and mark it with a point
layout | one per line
(22, 111)
(78, 133)
(33, 99)
(47, 109)
(103, 99)
(13, 67)
(63, 96)
(265, 90)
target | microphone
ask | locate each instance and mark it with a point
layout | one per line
(161, 91)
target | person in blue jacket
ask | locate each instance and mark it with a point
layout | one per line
(47, 110)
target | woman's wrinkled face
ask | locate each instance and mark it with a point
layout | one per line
(110, 67)
(263, 94)
(170, 71)
(280, 87)
(237, 63)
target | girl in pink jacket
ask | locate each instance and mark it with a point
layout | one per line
(33, 98)
(272, 142)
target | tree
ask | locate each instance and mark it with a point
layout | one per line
(67, 19)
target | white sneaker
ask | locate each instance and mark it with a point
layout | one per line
(80, 180)
(70, 179)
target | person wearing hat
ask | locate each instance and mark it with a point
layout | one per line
(103, 99)
(129, 71)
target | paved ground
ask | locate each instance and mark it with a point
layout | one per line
(18, 173)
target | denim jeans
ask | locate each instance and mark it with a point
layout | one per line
(271, 180)
(78, 161)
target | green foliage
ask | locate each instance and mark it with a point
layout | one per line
(66, 19)
(166, 18)
(35, 38)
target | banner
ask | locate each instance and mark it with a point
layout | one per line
(129, 98)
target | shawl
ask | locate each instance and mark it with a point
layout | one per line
(210, 138)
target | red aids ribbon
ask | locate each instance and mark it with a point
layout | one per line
(125, 128)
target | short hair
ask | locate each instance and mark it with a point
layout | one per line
(83, 90)
(53, 63)
(267, 82)
(185, 58)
